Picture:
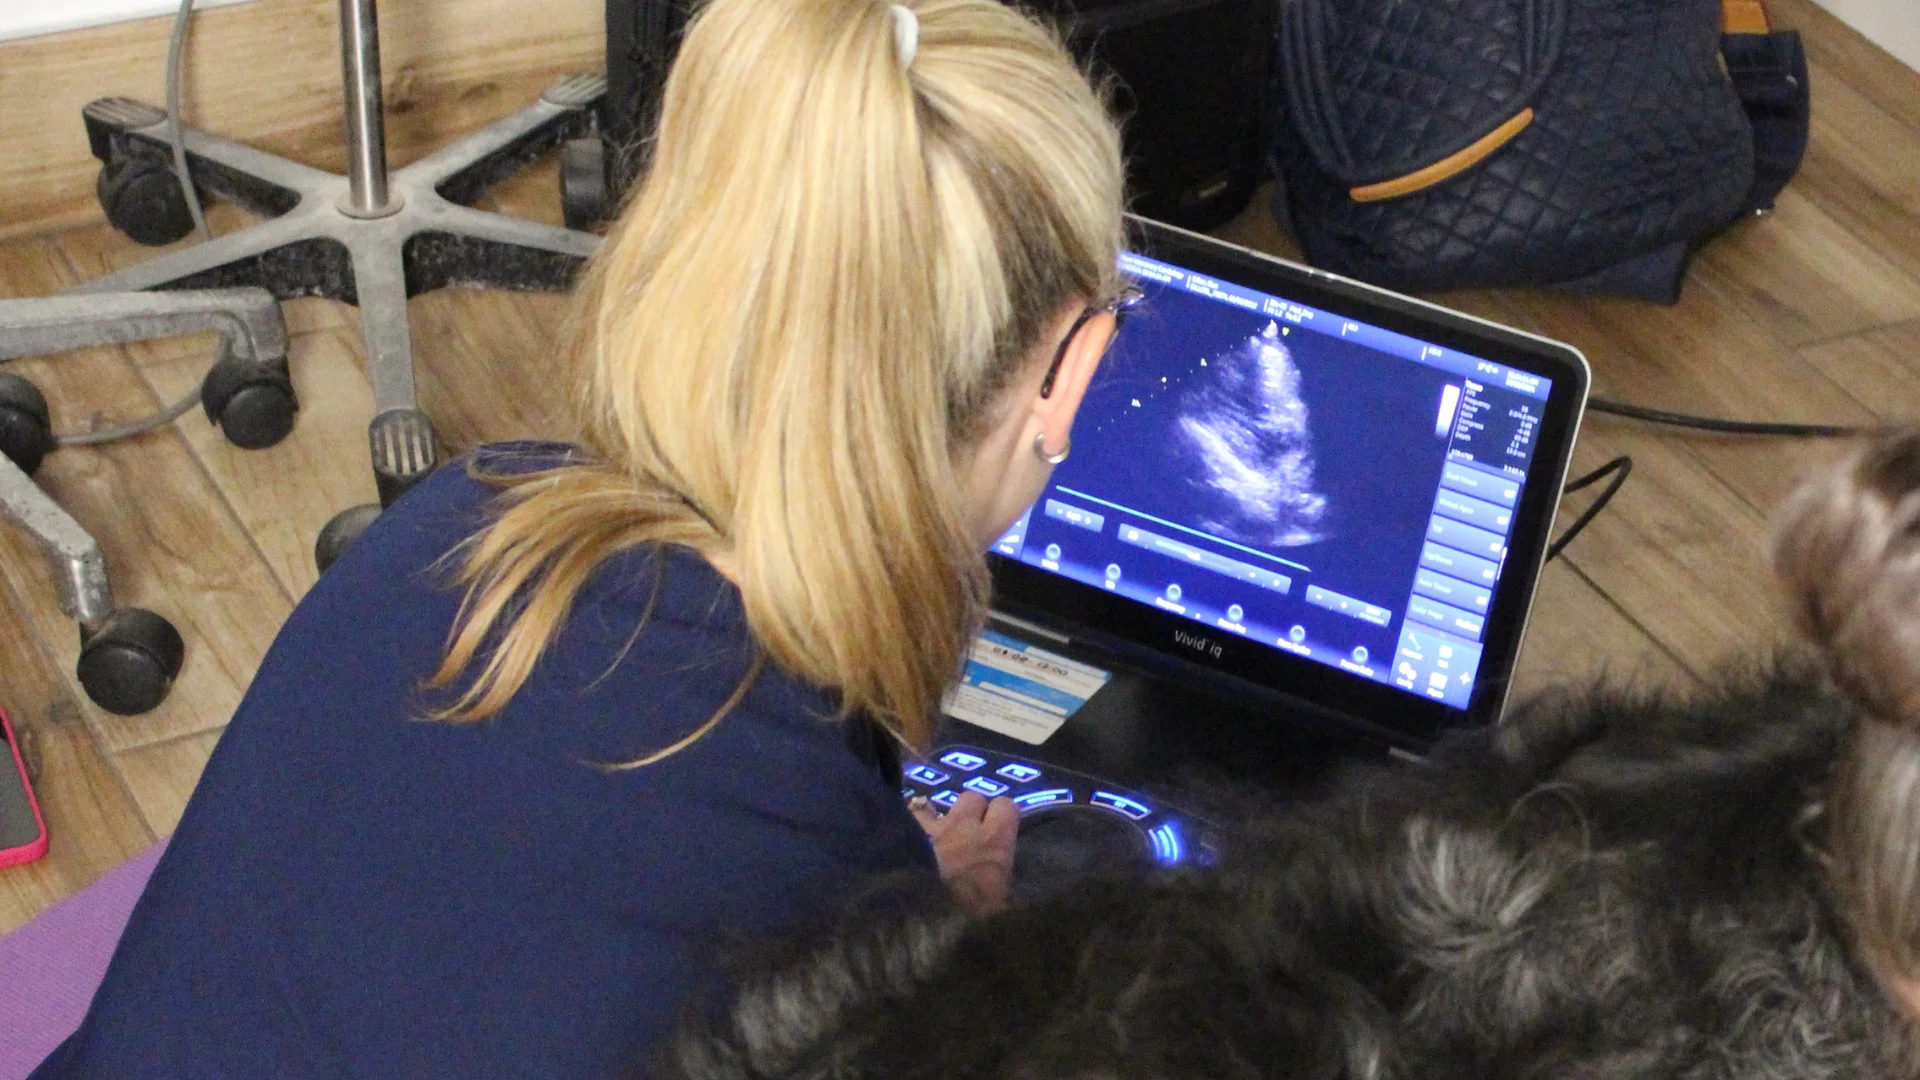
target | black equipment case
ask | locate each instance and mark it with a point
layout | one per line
(1191, 78)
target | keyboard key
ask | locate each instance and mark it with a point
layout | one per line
(1167, 847)
(962, 760)
(925, 774)
(1120, 804)
(986, 786)
(1033, 800)
(1019, 774)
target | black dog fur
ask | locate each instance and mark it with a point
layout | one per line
(1612, 886)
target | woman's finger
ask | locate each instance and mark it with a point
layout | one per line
(971, 808)
(924, 813)
(1002, 818)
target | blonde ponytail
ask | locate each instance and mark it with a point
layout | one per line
(1847, 549)
(828, 275)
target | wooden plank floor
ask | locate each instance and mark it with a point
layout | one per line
(1812, 314)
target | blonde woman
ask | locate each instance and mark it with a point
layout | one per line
(570, 720)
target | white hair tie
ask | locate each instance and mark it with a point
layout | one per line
(906, 35)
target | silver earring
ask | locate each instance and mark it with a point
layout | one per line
(1040, 449)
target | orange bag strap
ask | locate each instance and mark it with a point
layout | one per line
(1744, 17)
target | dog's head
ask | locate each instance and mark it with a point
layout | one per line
(1847, 550)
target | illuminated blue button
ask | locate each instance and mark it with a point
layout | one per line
(1166, 844)
(986, 786)
(944, 798)
(906, 793)
(1120, 804)
(1019, 774)
(962, 760)
(925, 774)
(1033, 800)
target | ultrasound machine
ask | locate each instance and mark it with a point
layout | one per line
(1301, 526)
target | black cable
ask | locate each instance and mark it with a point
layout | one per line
(1723, 427)
(1623, 463)
(1621, 468)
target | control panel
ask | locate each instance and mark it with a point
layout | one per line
(1039, 790)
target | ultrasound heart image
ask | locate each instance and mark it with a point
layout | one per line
(1272, 437)
(1246, 431)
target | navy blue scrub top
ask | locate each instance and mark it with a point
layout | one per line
(357, 892)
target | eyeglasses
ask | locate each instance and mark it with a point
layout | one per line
(1119, 307)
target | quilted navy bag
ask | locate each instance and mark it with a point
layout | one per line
(1590, 144)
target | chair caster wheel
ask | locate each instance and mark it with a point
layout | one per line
(26, 432)
(143, 199)
(583, 182)
(338, 535)
(128, 665)
(253, 406)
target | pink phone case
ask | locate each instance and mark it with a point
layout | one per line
(28, 852)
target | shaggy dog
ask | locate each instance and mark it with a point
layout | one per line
(1609, 886)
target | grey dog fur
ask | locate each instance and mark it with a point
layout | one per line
(1611, 886)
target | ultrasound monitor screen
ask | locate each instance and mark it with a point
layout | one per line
(1329, 488)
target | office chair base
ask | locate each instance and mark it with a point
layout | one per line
(128, 656)
(307, 246)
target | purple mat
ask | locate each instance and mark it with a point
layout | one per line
(55, 963)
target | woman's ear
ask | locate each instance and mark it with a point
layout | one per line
(1056, 410)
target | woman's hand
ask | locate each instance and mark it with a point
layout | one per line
(973, 844)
